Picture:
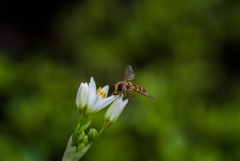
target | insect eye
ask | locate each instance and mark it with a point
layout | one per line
(120, 87)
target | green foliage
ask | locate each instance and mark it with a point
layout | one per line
(185, 53)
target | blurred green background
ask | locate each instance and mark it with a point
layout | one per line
(185, 53)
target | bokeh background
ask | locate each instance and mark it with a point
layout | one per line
(185, 53)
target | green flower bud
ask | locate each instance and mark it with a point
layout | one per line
(85, 140)
(80, 138)
(92, 135)
(80, 146)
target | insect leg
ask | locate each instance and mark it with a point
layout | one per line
(131, 93)
(124, 90)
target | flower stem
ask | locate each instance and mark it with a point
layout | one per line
(77, 127)
(102, 129)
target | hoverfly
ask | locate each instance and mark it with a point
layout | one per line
(126, 87)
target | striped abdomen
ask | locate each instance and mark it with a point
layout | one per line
(136, 87)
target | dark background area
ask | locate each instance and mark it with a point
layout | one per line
(186, 54)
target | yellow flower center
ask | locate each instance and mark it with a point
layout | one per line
(101, 92)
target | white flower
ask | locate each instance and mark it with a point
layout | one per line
(92, 100)
(114, 111)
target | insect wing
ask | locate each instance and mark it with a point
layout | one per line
(140, 92)
(146, 94)
(129, 74)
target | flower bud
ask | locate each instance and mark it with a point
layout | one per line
(114, 111)
(92, 135)
(82, 96)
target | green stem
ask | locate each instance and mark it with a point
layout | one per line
(102, 129)
(75, 131)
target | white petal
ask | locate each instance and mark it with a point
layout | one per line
(93, 83)
(92, 86)
(78, 98)
(92, 101)
(91, 90)
(84, 94)
(105, 89)
(105, 102)
(97, 104)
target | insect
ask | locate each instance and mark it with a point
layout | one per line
(128, 88)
